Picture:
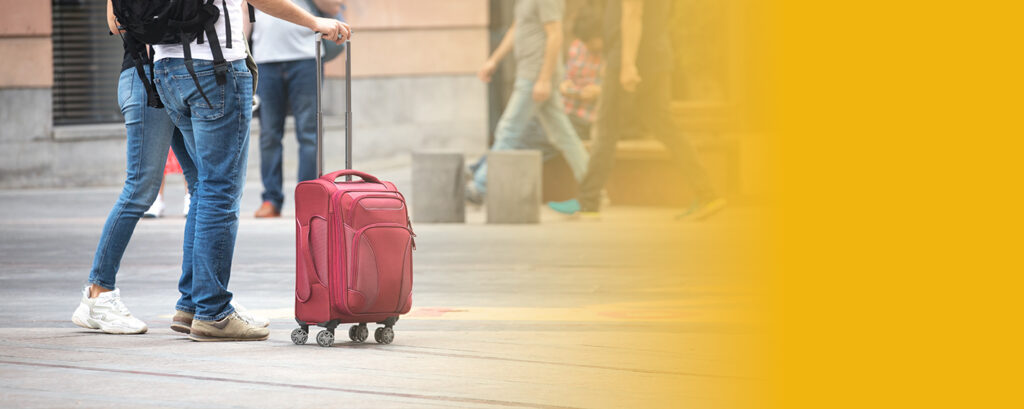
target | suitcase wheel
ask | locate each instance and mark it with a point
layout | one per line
(384, 335)
(325, 338)
(358, 333)
(299, 336)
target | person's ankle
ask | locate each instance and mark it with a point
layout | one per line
(95, 290)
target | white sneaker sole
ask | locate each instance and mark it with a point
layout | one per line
(81, 318)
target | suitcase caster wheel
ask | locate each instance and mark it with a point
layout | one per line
(358, 333)
(325, 338)
(384, 335)
(299, 336)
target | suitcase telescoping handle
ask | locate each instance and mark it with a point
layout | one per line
(320, 109)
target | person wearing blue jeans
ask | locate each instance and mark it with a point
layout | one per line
(149, 134)
(284, 85)
(287, 66)
(216, 138)
(533, 138)
(536, 39)
(214, 124)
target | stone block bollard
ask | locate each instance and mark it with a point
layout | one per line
(438, 188)
(513, 186)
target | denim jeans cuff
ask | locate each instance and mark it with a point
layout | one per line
(185, 308)
(100, 283)
(227, 311)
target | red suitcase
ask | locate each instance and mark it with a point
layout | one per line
(354, 243)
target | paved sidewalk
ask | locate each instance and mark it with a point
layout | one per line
(561, 314)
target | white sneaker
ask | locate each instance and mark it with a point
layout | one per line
(249, 317)
(107, 313)
(156, 209)
(188, 200)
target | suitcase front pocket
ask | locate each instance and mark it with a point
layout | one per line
(380, 276)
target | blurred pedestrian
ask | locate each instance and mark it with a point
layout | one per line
(638, 71)
(536, 39)
(287, 66)
(582, 84)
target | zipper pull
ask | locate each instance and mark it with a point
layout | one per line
(412, 233)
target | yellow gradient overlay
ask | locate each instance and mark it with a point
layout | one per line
(896, 242)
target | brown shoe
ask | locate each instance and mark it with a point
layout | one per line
(267, 210)
(182, 322)
(231, 328)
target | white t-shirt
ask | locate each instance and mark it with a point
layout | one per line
(202, 51)
(276, 40)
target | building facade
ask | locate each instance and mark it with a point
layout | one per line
(414, 87)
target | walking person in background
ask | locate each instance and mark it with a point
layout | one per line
(582, 84)
(536, 39)
(580, 88)
(638, 71)
(287, 66)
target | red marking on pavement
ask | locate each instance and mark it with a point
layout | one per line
(290, 385)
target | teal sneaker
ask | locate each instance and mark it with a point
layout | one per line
(570, 207)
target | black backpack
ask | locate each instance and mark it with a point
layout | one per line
(150, 22)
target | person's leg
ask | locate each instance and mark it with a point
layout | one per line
(191, 173)
(149, 133)
(602, 149)
(536, 138)
(519, 112)
(301, 90)
(217, 135)
(560, 132)
(582, 127)
(148, 136)
(654, 98)
(273, 110)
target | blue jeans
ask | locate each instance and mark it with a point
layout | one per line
(217, 138)
(515, 121)
(533, 138)
(150, 131)
(284, 86)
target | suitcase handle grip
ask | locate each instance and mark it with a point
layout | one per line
(303, 286)
(333, 176)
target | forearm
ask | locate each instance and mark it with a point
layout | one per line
(552, 47)
(111, 20)
(287, 11)
(505, 46)
(632, 26)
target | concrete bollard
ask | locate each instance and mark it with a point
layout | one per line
(438, 188)
(513, 186)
